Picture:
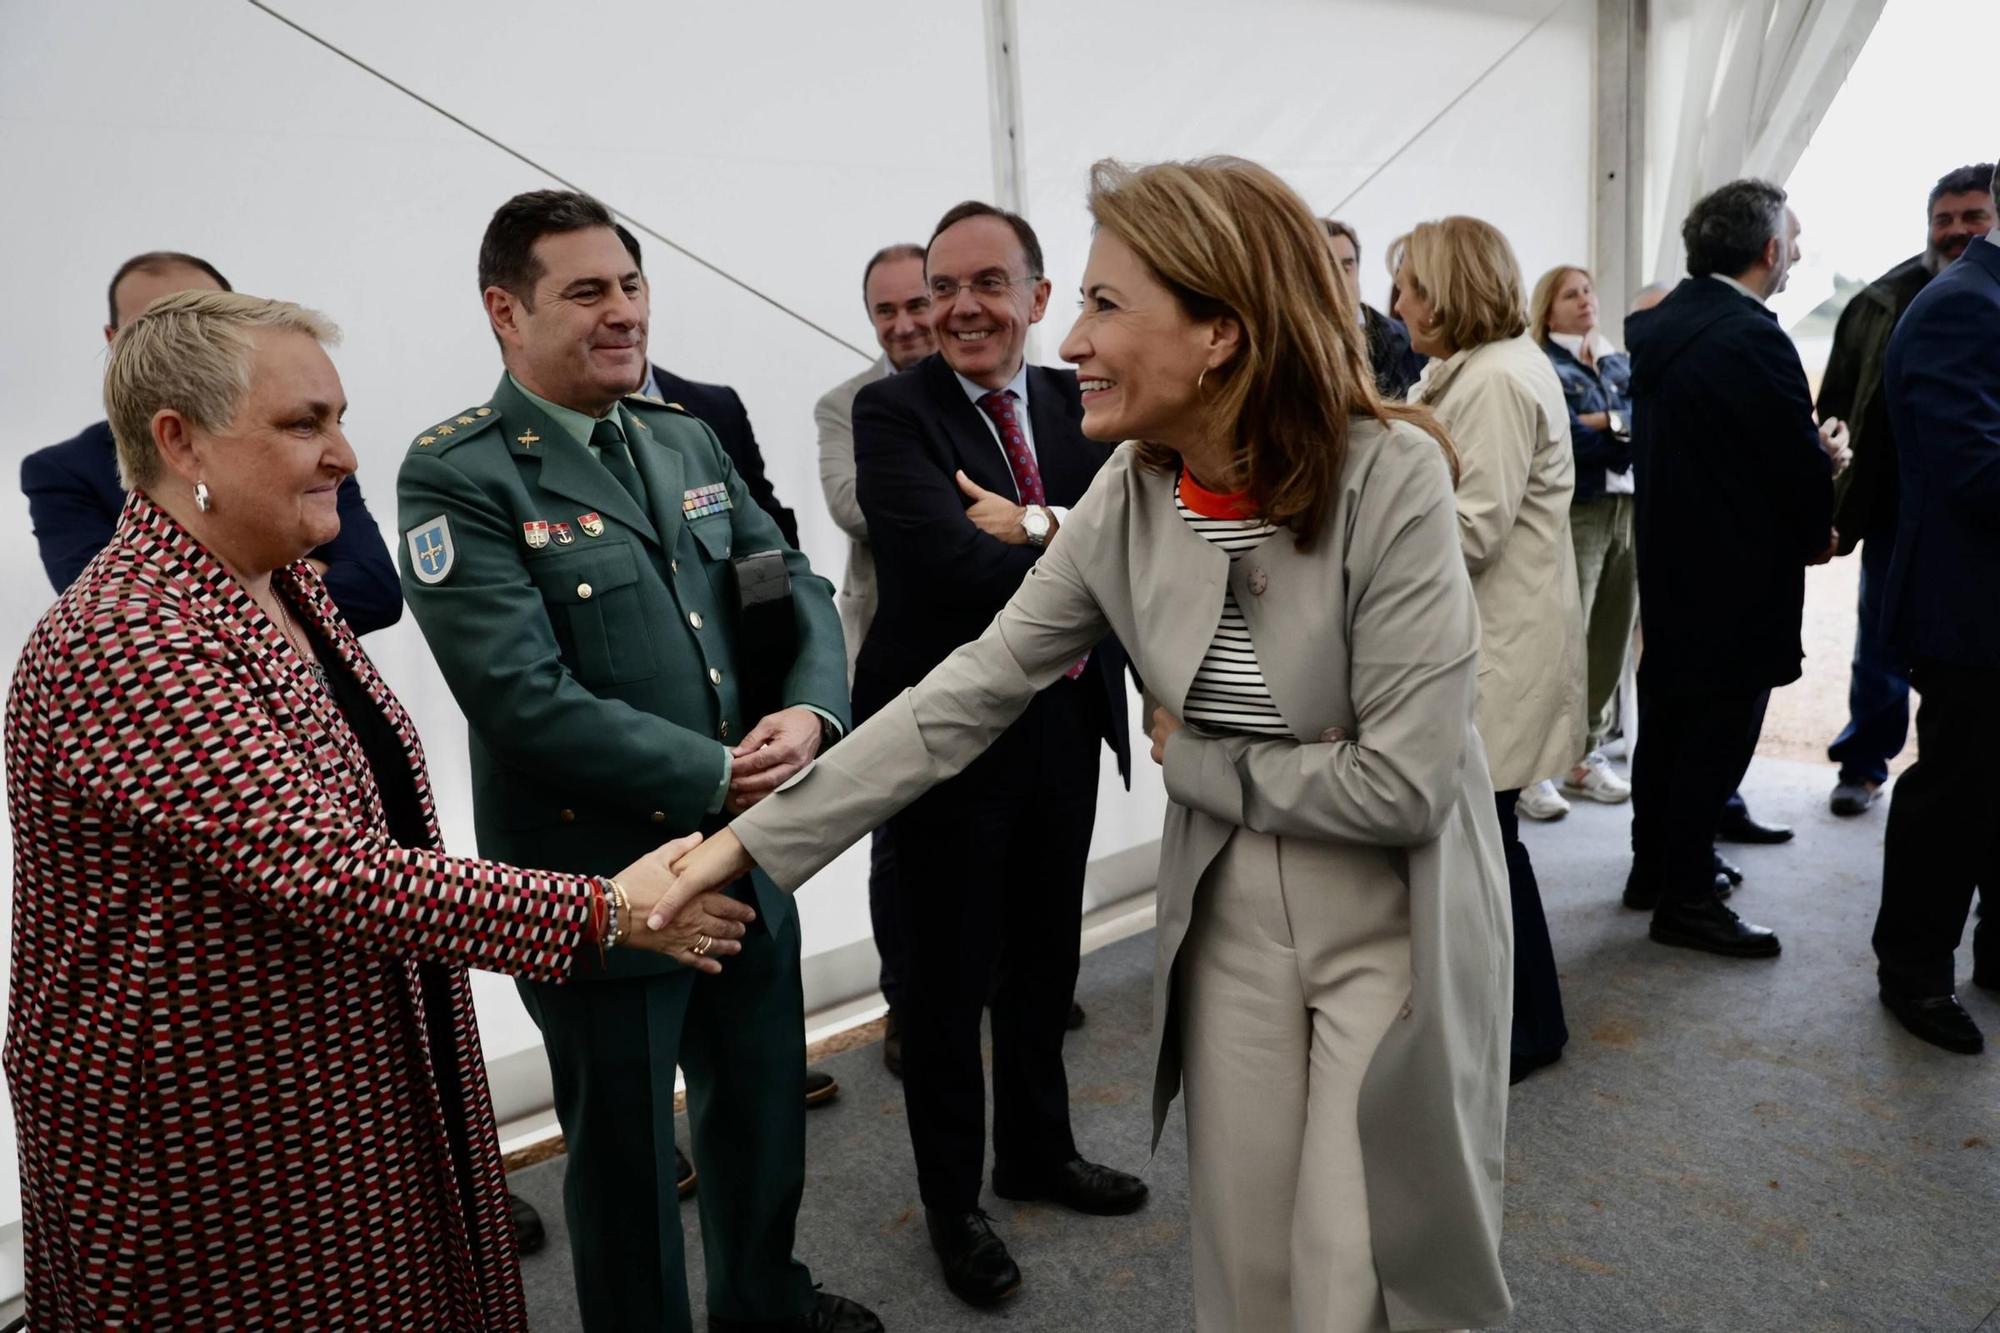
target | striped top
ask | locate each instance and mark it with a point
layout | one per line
(1228, 693)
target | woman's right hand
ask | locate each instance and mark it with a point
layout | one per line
(704, 931)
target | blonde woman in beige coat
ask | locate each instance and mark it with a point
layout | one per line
(1460, 292)
(1279, 551)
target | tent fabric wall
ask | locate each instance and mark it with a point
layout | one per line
(784, 142)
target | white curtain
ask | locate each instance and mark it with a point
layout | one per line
(1737, 90)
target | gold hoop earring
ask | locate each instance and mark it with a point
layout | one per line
(1199, 378)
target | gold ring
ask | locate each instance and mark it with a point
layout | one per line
(702, 944)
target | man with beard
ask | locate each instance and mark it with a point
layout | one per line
(1878, 692)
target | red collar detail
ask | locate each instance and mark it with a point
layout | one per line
(1214, 504)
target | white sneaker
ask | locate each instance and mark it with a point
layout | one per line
(1598, 783)
(1541, 801)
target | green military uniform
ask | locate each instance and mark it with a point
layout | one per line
(589, 635)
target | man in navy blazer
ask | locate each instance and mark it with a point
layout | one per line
(1735, 499)
(1943, 382)
(965, 465)
(74, 496)
(720, 408)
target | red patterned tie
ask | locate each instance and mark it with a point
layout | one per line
(1021, 461)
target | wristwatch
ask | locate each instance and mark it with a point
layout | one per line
(1038, 524)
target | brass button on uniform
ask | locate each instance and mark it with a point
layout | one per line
(694, 618)
(659, 816)
(583, 590)
(723, 731)
(566, 816)
(714, 676)
(674, 565)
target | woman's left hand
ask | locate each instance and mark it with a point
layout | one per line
(1164, 725)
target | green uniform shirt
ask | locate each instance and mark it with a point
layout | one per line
(590, 640)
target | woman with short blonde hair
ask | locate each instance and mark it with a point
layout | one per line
(1278, 551)
(240, 1042)
(1460, 294)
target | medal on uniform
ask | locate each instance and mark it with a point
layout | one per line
(562, 534)
(592, 525)
(536, 533)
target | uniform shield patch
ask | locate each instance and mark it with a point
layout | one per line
(431, 550)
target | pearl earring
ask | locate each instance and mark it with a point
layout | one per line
(201, 500)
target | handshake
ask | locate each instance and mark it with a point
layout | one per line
(675, 902)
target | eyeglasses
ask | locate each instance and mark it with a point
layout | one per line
(987, 287)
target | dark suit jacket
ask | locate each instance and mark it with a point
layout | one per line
(722, 410)
(74, 499)
(1396, 367)
(941, 580)
(1735, 493)
(1943, 384)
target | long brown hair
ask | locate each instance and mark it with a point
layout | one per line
(1229, 238)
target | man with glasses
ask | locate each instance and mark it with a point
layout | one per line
(964, 467)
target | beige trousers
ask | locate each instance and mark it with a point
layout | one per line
(1296, 961)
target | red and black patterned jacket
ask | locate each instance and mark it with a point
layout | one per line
(216, 1042)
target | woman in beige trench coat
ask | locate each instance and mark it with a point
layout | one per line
(1334, 949)
(1459, 291)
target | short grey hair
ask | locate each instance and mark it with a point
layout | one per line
(190, 352)
(1727, 229)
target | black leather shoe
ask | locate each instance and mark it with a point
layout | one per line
(684, 1180)
(1745, 828)
(977, 1267)
(1520, 1066)
(830, 1314)
(821, 1088)
(892, 1044)
(1708, 925)
(1075, 1016)
(1084, 1186)
(1642, 892)
(528, 1233)
(1728, 870)
(1939, 1019)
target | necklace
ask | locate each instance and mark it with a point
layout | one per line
(292, 635)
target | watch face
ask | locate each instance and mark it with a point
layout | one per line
(1036, 521)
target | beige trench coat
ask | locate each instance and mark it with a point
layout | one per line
(1504, 408)
(1369, 643)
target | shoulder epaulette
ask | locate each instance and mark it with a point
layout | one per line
(651, 401)
(456, 430)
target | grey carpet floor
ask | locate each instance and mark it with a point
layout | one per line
(1726, 1146)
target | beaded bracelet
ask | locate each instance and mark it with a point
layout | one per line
(614, 929)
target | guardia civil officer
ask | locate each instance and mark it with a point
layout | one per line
(567, 550)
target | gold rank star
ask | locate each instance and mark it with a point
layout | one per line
(425, 441)
(465, 421)
(446, 430)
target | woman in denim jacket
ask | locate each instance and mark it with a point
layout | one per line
(1596, 381)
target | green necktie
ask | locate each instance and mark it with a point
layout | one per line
(609, 442)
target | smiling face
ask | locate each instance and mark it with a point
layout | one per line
(274, 471)
(899, 305)
(1138, 355)
(982, 327)
(1959, 219)
(1574, 311)
(579, 340)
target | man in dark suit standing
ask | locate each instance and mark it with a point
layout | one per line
(1959, 211)
(1396, 367)
(74, 495)
(721, 409)
(1943, 381)
(965, 465)
(1735, 488)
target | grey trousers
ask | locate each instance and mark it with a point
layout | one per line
(1607, 575)
(1297, 959)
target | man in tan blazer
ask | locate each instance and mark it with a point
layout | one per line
(899, 306)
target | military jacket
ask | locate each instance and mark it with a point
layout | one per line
(591, 640)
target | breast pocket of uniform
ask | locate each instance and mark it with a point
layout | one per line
(715, 535)
(594, 603)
